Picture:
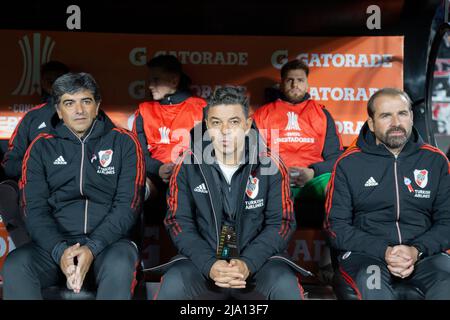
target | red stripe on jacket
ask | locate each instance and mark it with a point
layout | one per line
(140, 170)
(172, 200)
(23, 180)
(330, 188)
(436, 150)
(351, 282)
(286, 202)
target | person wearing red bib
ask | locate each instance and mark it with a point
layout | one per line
(304, 134)
(163, 124)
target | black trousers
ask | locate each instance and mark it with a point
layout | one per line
(371, 278)
(29, 269)
(274, 281)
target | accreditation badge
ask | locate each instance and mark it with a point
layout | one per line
(227, 243)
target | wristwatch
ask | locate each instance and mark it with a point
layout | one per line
(419, 253)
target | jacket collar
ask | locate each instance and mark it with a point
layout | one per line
(176, 98)
(367, 142)
(101, 125)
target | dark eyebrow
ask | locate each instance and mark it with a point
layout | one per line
(88, 98)
(234, 118)
(68, 100)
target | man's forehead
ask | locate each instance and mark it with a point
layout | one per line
(390, 103)
(159, 72)
(82, 94)
(226, 111)
(296, 73)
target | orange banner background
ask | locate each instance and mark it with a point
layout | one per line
(344, 70)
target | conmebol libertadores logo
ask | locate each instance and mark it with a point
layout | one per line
(35, 52)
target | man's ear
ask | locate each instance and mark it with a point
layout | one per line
(175, 81)
(58, 111)
(370, 123)
(98, 108)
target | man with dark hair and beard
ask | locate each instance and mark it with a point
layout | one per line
(388, 205)
(304, 134)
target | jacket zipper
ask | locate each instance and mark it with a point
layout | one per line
(212, 205)
(239, 212)
(398, 202)
(81, 172)
(85, 216)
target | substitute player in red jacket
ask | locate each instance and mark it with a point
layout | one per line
(302, 132)
(163, 124)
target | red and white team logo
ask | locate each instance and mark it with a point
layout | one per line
(252, 187)
(105, 157)
(421, 177)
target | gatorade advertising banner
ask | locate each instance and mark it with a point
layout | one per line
(345, 71)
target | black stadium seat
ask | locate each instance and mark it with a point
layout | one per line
(344, 291)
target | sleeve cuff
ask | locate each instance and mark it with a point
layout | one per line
(207, 267)
(250, 265)
(421, 248)
(319, 168)
(95, 246)
(315, 170)
(380, 250)
(153, 168)
(58, 251)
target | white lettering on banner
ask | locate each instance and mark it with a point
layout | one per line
(8, 123)
(208, 58)
(136, 89)
(138, 56)
(349, 127)
(293, 140)
(341, 94)
(337, 60)
(22, 108)
(279, 58)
